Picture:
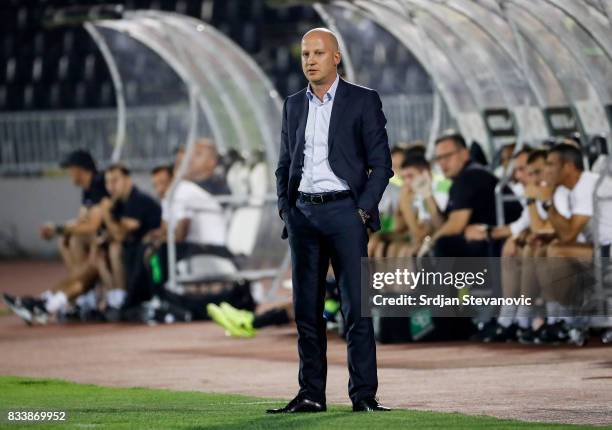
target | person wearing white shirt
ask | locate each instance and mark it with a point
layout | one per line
(573, 230)
(195, 214)
(417, 203)
(570, 255)
(200, 227)
(527, 238)
(197, 219)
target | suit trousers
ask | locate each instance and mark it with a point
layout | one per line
(319, 233)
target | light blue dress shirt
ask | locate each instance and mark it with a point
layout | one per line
(317, 175)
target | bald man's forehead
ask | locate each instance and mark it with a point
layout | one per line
(327, 37)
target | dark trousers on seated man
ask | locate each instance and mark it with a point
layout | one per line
(457, 246)
(148, 279)
(143, 282)
(318, 234)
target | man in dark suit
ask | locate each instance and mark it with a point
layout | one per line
(333, 167)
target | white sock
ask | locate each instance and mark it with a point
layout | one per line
(56, 302)
(87, 301)
(506, 315)
(46, 295)
(523, 316)
(115, 297)
(523, 322)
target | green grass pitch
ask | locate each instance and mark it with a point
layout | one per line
(95, 407)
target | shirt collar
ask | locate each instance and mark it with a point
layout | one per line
(329, 95)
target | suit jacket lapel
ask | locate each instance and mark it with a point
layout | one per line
(340, 102)
(300, 131)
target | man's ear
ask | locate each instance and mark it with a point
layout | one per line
(337, 58)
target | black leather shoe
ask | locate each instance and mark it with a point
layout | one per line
(369, 405)
(299, 404)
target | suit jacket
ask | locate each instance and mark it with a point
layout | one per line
(357, 142)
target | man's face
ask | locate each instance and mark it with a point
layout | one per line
(78, 176)
(409, 174)
(520, 168)
(450, 157)
(320, 58)
(554, 169)
(203, 160)
(535, 172)
(117, 184)
(161, 182)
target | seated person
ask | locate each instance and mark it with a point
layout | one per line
(77, 236)
(570, 254)
(199, 227)
(525, 239)
(76, 244)
(198, 220)
(198, 216)
(471, 201)
(518, 176)
(413, 215)
(128, 215)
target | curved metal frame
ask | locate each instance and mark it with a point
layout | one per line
(117, 85)
(478, 63)
(382, 15)
(331, 23)
(476, 14)
(468, 85)
(218, 92)
(170, 59)
(585, 16)
(242, 58)
(594, 80)
(482, 56)
(549, 68)
(268, 134)
(532, 125)
(213, 81)
(524, 32)
(407, 29)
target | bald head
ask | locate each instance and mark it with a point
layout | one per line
(206, 144)
(328, 35)
(203, 161)
(320, 58)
